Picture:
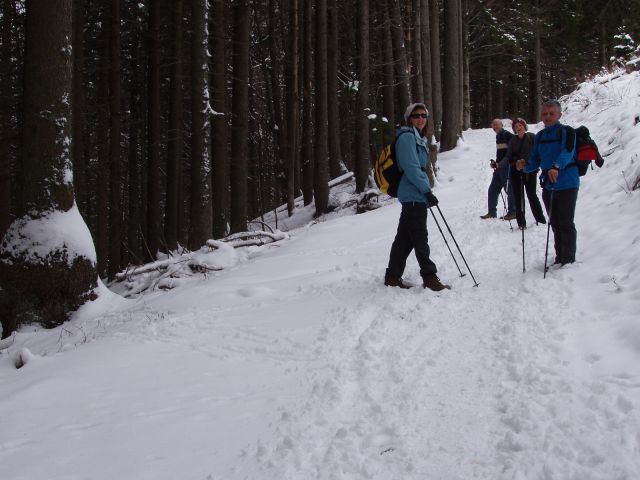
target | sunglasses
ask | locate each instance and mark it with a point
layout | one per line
(419, 115)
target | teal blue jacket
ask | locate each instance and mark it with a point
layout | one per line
(412, 155)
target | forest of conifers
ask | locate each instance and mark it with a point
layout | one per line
(183, 120)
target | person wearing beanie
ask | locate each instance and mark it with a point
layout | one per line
(500, 177)
(414, 193)
(520, 147)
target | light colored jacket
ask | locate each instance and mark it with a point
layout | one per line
(412, 155)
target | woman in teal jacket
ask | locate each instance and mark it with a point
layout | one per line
(414, 193)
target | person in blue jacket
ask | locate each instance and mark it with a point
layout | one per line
(560, 179)
(414, 193)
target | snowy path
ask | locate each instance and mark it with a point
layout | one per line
(300, 364)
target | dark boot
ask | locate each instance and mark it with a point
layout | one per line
(487, 215)
(432, 282)
(395, 282)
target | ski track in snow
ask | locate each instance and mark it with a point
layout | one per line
(336, 376)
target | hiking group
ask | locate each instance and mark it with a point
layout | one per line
(560, 153)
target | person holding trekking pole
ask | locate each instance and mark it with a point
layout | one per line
(560, 180)
(414, 193)
(500, 177)
(520, 147)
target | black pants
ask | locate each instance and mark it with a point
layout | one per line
(561, 212)
(530, 186)
(411, 235)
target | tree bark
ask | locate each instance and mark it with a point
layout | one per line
(174, 135)
(6, 121)
(336, 166)
(399, 56)
(115, 211)
(362, 108)
(200, 212)
(388, 88)
(451, 121)
(321, 170)
(102, 137)
(44, 277)
(293, 102)
(425, 51)
(417, 85)
(78, 100)
(240, 111)
(153, 135)
(434, 21)
(220, 120)
(307, 106)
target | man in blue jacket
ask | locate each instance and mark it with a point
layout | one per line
(414, 192)
(560, 178)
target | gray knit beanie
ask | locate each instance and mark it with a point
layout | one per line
(410, 110)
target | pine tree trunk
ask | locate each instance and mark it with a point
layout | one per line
(6, 114)
(134, 219)
(220, 120)
(466, 93)
(417, 85)
(434, 21)
(362, 160)
(102, 186)
(174, 135)
(336, 166)
(78, 100)
(46, 272)
(538, 63)
(293, 102)
(388, 89)
(399, 56)
(321, 170)
(153, 135)
(451, 121)
(200, 218)
(115, 211)
(240, 123)
(425, 50)
(307, 106)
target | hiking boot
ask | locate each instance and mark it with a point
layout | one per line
(487, 215)
(543, 222)
(395, 282)
(432, 282)
(509, 216)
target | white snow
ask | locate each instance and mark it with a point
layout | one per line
(297, 363)
(55, 231)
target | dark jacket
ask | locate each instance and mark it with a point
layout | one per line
(519, 148)
(502, 144)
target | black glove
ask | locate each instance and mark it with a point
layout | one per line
(432, 201)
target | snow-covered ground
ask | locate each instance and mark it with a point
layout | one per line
(295, 362)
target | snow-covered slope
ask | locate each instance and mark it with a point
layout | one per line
(297, 363)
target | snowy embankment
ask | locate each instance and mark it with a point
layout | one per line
(297, 363)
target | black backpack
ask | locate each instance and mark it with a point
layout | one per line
(586, 149)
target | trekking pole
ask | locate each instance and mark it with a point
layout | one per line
(507, 190)
(447, 244)
(546, 250)
(523, 176)
(458, 246)
(504, 203)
